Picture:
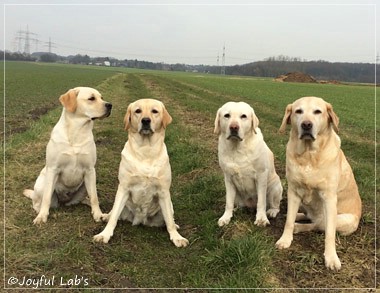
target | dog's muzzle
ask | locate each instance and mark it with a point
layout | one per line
(307, 130)
(108, 107)
(145, 126)
(234, 133)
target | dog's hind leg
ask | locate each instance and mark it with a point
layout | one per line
(298, 228)
(274, 199)
(347, 223)
(35, 197)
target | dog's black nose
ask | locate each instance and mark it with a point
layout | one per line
(306, 125)
(234, 127)
(145, 121)
(109, 106)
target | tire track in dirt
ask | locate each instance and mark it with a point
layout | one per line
(198, 123)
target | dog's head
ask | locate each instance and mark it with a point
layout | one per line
(235, 121)
(146, 117)
(309, 117)
(86, 102)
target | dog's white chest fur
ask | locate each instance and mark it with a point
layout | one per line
(240, 165)
(143, 199)
(242, 177)
(145, 181)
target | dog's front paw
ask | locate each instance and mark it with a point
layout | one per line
(224, 220)
(102, 237)
(179, 241)
(272, 212)
(262, 220)
(332, 262)
(40, 219)
(97, 215)
(283, 243)
(105, 217)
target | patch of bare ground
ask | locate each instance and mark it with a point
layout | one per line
(196, 121)
(18, 124)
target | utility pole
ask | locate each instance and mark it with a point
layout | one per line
(50, 44)
(26, 37)
(27, 41)
(19, 38)
(223, 69)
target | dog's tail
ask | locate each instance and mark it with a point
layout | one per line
(29, 193)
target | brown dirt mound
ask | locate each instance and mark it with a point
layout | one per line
(296, 77)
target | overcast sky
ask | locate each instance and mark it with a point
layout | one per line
(176, 32)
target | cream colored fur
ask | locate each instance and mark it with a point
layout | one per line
(143, 195)
(69, 174)
(319, 177)
(247, 163)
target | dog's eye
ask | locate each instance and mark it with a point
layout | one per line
(299, 111)
(138, 111)
(227, 115)
(154, 111)
(243, 116)
(92, 99)
(317, 112)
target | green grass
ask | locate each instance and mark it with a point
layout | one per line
(32, 89)
(240, 255)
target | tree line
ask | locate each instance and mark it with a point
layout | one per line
(320, 70)
(270, 67)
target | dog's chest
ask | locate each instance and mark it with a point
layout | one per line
(144, 182)
(144, 193)
(306, 176)
(307, 182)
(76, 158)
(242, 175)
(73, 163)
(143, 198)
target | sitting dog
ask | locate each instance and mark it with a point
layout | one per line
(319, 177)
(247, 163)
(71, 155)
(143, 195)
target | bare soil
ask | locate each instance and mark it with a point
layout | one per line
(296, 77)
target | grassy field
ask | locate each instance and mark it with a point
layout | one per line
(237, 256)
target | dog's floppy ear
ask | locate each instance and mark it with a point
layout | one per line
(69, 100)
(255, 121)
(333, 118)
(286, 119)
(166, 118)
(127, 117)
(217, 122)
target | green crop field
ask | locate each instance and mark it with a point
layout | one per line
(240, 255)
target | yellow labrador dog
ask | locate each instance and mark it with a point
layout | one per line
(71, 155)
(319, 177)
(143, 195)
(247, 163)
